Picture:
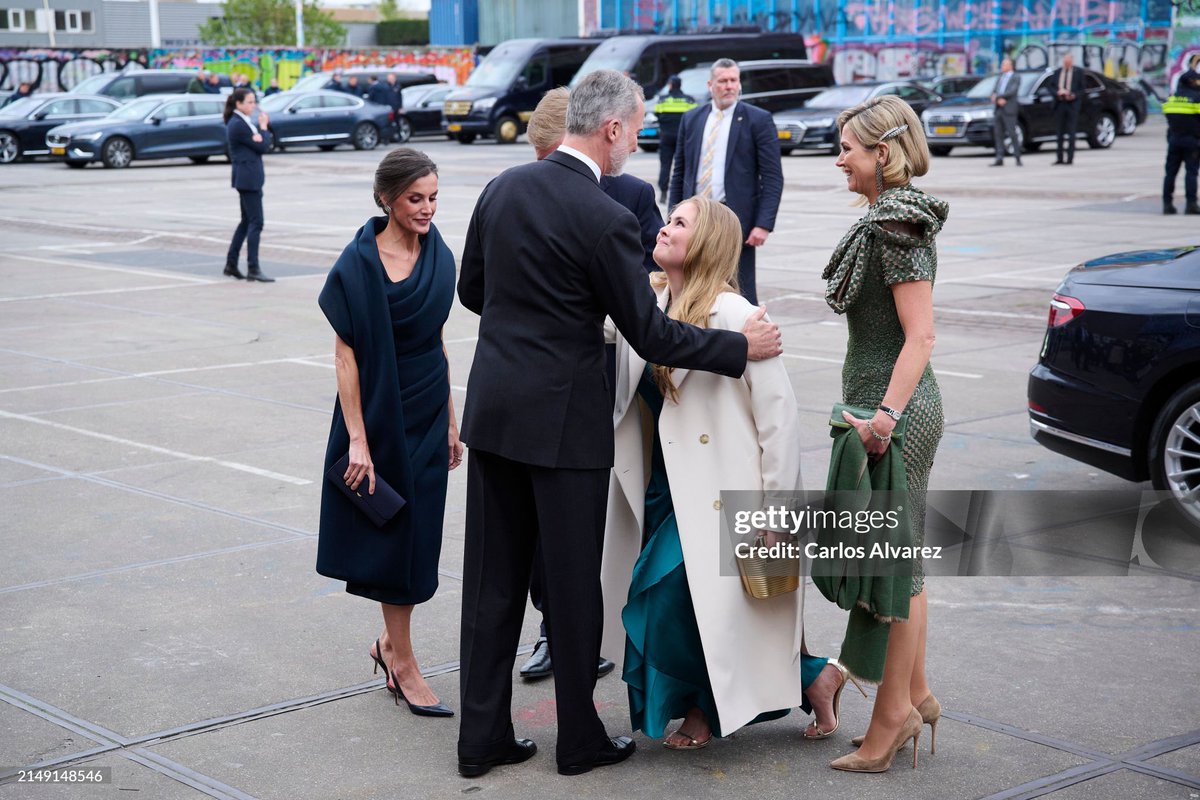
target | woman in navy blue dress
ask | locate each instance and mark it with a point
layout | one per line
(387, 298)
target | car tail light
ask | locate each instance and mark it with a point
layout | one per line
(391, 116)
(1063, 309)
(1036, 407)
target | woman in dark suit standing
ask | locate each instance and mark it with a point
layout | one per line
(387, 298)
(248, 139)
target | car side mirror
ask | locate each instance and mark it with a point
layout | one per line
(520, 84)
(41, 115)
(157, 120)
(292, 109)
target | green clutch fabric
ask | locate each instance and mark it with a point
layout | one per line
(876, 591)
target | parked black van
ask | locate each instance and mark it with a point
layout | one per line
(651, 60)
(501, 94)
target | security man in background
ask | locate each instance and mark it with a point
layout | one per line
(670, 110)
(1182, 110)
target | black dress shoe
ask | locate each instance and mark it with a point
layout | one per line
(520, 750)
(253, 274)
(996, 164)
(1192, 208)
(618, 749)
(232, 271)
(1169, 208)
(1019, 164)
(604, 667)
(539, 664)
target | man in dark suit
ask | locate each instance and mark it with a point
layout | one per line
(1004, 123)
(729, 151)
(248, 139)
(547, 257)
(1068, 97)
(377, 92)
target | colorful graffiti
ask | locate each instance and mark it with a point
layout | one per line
(61, 69)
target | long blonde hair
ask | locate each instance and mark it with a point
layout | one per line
(709, 269)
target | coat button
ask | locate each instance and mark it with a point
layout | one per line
(704, 438)
(716, 505)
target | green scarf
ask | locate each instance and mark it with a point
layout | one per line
(848, 265)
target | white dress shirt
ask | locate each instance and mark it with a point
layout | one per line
(720, 147)
(253, 127)
(592, 165)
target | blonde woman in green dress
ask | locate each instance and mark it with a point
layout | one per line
(881, 277)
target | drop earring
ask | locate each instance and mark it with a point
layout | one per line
(878, 178)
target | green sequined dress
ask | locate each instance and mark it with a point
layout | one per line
(867, 262)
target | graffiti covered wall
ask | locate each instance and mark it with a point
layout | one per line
(60, 69)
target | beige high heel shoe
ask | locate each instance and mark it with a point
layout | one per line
(911, 729)
(837, 702)
(930, 711)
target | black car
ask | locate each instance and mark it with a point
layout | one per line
(967, 120)
(952, 85)
(814, 127)
(125, 86)
(422, 112)
(1117, 385)
(770, 85)
(327, 119)
(323, 80)
(166, 126)
(25, 123)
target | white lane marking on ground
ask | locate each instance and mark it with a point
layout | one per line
(234, 465)
(348, 230)
(463, 340)
(103, 291)
(1060, 268)
(826, 360)
(939, 309)
(146, 273)
(161, 372)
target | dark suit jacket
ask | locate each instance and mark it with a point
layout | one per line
(245, 155)
(1011, 93)
(638, 196)
(547, 257)
(378, 93)
(753, 171)
(1076, 86)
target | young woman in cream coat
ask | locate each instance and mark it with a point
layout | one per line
(696, 646)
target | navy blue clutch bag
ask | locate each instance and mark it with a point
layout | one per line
(380, 507)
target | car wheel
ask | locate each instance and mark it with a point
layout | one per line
(940, 150)
(10, 147)
(507, 130)
(366, 136)
(649, 148)
(1022, 138)
(1129, 121)
(465, 138)
(786, 151)
(1103, 133)
(117, 153)
(77, 164)
(325, 148)
(1175, 450)
(198, 159)
(403, 130)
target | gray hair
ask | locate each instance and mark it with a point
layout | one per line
(603, 95)
(723, 63)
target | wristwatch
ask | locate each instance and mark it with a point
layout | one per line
(891, 412)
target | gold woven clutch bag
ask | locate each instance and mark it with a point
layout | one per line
(764, 577)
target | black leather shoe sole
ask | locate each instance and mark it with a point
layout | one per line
(520, 750)
(604, 667)
(619, 749)
(258, 276)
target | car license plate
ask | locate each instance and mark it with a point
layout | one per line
(785, 134)
(945, 130)
(454, 128)
(648, 132)
(58, 151)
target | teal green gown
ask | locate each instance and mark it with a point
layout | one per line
(664, 657)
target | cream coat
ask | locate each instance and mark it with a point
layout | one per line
(725, 434)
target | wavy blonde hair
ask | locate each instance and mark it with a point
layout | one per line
(548, 124)
(908, 152)
(709, 269)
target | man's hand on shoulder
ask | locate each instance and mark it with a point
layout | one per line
(763, 339)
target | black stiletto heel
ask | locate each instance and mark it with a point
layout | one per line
(435, 710)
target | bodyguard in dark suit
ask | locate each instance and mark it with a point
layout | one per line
(377, 92)
(1068, 98)
(729, 151)
(1004, 123)
(547, 257)
(248, 140)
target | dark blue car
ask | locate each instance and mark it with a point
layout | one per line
(1117, 385)
(25, 122)
(327, 119)
(163, 126)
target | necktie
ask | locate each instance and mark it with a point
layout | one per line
(704, 185)
(1064, 81)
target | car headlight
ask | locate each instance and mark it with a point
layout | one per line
(983, 113)
(823, 122)
(483, 105)
(87, 137)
